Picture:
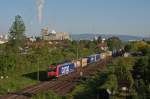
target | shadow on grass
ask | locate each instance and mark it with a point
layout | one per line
(34, 75)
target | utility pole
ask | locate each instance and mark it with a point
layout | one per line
(38, 74)
(77, 55)
(77, 51)
(38, 61)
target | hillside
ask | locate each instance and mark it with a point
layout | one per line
(91, 36)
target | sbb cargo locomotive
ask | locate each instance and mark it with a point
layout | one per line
(54, 71)
(60, 69)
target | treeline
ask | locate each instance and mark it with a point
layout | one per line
(138, 47)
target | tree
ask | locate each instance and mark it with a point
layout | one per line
(140, 67)
(145, 50)
(111, 83)
(114, 43)
(99, 39)
(128, 48)
(16, 32)
(122, 72)
(38, 38)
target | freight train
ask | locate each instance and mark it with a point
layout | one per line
(54, 71)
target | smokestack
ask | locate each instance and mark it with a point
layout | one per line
(40, 4)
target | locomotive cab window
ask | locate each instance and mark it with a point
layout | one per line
(52, 69)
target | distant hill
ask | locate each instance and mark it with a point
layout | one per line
(91, 36)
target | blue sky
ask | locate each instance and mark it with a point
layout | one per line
(80, 16)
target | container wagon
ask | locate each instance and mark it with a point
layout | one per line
(103, 55)
(80, 62)
(91, 59)
(84, 62)
(109, 53)
(77, 63)
(97, 57)
(114, 53)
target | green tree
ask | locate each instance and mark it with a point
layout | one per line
(142, 71)
(140, 67)
(145, 50)
(114, 43)
(128, 47)
(111, 83)
(16, 32)
(122, 72)
(99, 39)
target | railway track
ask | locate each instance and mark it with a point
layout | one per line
(61, 86)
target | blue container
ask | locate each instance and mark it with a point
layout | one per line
(114, 52)
(66, 68)
(97, 57)
(91, 59)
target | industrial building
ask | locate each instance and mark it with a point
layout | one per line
(46, 35)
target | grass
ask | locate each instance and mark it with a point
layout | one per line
(21, 79)
(14, 83)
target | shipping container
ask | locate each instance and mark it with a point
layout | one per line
(103, 55)
(91, 59)
(84, 62)
(77, 63)
(114, 53)
(97, 57)
(66, 68)
(109, 53)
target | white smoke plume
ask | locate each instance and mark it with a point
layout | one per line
(40, 4)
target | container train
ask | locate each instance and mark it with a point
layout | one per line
(54, 71)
